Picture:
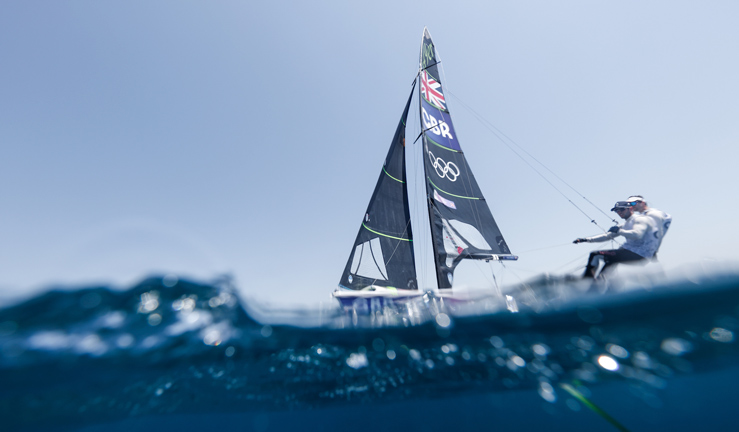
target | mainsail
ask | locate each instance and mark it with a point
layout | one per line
(462, 226)
(383, 251)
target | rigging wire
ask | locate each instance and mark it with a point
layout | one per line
(544, 248)
(523, 285)
(495, 280)
(506, 140)
(519, 151)
(579, 258)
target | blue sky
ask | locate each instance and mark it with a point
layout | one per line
(237, 137)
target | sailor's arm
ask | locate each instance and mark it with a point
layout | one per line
(597, 239)
(637, 231)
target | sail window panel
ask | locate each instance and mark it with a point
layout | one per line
(470, 234)
(458, 236)
(356, 258)
(472, 221)
(453, 244)
(371, 262)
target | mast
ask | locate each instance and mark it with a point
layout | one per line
(462, 226)
(427, 62)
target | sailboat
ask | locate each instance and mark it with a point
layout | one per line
(381, 264)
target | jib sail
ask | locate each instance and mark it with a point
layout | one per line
(383, 251)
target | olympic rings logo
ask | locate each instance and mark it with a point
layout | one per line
(443, 168)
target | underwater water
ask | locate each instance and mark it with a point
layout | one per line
(178, 355)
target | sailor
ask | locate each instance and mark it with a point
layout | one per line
(661, 219)
(640, 233)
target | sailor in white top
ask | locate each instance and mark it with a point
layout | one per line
(660, 218)
(640, 233)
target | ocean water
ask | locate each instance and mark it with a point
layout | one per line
(171, 354)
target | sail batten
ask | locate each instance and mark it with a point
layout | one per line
(451, 194)
(388, 174)
(385, 235)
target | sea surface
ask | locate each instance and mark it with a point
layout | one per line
(179, 355)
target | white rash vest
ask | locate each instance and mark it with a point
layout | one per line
(661, 220)
(640, 232)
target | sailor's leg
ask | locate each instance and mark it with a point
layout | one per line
(595, 265)
(595, 260)
(609, 260)
(619, 256)
(599, 261)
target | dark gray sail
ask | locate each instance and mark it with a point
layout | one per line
(462, 226)
(383, 251)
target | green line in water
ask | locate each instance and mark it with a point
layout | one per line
(593, 407)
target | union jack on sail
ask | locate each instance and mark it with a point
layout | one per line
(431, 90)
